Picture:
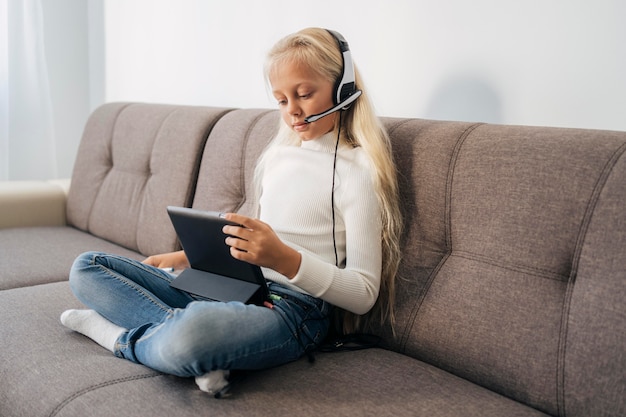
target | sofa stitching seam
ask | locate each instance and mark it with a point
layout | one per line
(450, 180)
(584, 227)
(397, 126)
(87, 390)
(539, 272)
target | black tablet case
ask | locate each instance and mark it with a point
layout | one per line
(214, 274)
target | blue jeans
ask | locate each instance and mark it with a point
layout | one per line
(175, 333)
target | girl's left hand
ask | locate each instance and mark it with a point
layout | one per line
(256, 242)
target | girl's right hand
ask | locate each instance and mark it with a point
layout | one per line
(176, 260)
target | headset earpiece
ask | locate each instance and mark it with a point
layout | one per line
(345, 85)
(344, 92)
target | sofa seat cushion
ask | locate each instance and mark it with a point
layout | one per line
(37, 255)
(51, 371)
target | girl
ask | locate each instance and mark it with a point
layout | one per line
(315, 255)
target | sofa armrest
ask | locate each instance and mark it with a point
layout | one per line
(33, 203)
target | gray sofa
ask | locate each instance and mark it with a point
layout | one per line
(511, 294)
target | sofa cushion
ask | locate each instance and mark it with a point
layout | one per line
(133, 161)
(44, 364)
(229, 159)
(506, 225)
(50, 371)
(37, 255)
(593, 354)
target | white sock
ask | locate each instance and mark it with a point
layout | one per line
(94, 326)
(213, 382)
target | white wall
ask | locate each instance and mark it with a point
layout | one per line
(536, 62)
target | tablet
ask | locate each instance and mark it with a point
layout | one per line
(213, 274)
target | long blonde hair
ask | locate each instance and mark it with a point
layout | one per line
(318, 49)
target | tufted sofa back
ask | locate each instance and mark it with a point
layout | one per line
(230, 156)
(133, 160)
(514, 270)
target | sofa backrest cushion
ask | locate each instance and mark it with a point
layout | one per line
(225, 181)
(593, 353)
(133, 161)
(499, 267)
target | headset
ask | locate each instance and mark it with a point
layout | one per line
(345, 91)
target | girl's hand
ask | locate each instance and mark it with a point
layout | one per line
(255, 242)
(176, 260)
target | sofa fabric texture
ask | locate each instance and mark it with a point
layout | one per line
(510, 294)
(130, 163)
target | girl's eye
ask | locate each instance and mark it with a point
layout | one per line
(282, 102)
(305, 96)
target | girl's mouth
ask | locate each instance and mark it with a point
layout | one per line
(298, 127)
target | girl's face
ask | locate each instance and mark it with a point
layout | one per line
(301, 92)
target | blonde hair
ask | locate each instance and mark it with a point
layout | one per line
(318, 49)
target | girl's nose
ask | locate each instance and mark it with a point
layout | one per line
(294, 109)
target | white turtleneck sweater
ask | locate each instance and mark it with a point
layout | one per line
(296, 203)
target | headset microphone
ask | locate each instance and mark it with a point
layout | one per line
(341, 106)
(345, 92)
